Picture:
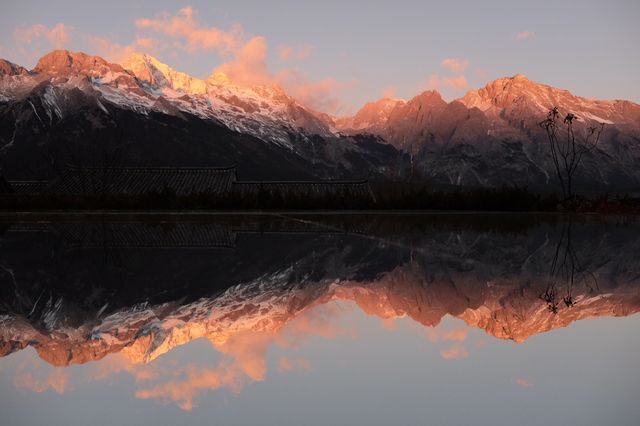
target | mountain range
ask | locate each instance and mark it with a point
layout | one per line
(77, 108)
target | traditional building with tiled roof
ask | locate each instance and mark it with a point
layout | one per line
(144, 180)
(184, 181)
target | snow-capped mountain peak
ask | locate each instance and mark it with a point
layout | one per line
(150, 70)
(526, 97)
(9, 68)
(470, 132)
(219, 78)
(63, 63)
(372, 114)
(144, 84)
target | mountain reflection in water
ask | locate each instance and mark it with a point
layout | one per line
(119, 297)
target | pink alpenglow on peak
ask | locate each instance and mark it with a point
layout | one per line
(149, 69)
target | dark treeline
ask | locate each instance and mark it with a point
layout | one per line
(388, 196)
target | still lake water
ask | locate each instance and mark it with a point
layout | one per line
(320, 320)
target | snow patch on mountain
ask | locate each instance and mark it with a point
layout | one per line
(144, 84)
(263, 111)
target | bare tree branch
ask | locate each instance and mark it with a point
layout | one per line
(567, 155)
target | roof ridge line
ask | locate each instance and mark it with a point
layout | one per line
(151, 168)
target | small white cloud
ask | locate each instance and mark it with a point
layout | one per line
(457, 82)
(525, 383)
(287, 53)
(437, 82)
(57, 36)
(390, 92)
(525, 35)
(455, 65)
(31, 42)
(455, 352)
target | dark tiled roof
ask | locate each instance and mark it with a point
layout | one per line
(144, 180)
(29, 186)
(5, 187)
(293, 225)
(183, 181)
(145, 235)
(350, 188)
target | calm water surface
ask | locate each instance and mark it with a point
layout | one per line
(320, 320)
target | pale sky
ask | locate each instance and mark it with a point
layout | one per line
(336, 55)
(347, 368)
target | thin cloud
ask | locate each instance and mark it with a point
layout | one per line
(31, 42)
(389, 324)
(390, 92)
(455, 65)
(455, 352)
(244, 359)
(455, 335)
(436, 82)
(433, 82)
(320, 95)
(193, 35)
(245, 57)
(57, 36)
(290, 364)
(249, 65)
(525, 35)
(117, 363)
(287, 53)
(190, 381)
(482, 74)
(525, 383)
(457, 82)
(57, 380)
(116, 52)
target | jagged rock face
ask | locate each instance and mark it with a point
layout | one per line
(412, 124)
(86, 303)
(263, 111)
(65, 63)
(372, 115)
(52, 128)
(506, 107)
(429, 120)
(9, 68)
(518, 97)
(490, 137)
(148, 69)
(76, 108)
(145, 84)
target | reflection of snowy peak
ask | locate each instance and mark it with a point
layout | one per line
(145, 332)
(491, 281)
